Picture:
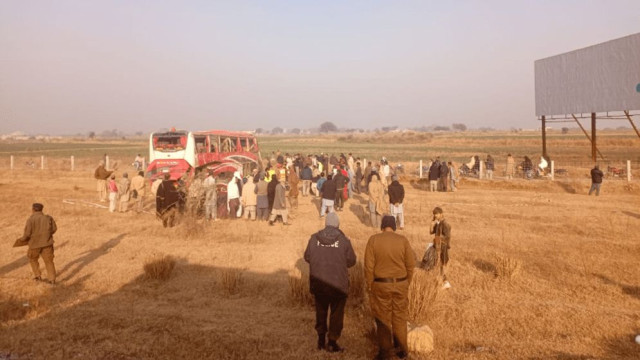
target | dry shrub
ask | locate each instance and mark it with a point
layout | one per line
(506, 268)
(230, 279)
(159, 267)
(299, 287)
(423, 292)
(191, 227)
(12, 309)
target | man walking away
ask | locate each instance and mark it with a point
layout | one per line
(358, 182)
(138, 186)
(210, 197)
(490, 165)
(279, 205)
(249, 198)
(329, 254)
(444, 176)
(328, 194)
(396, 197)
(389, 262)
(377, 205)
(453, 176)
(306, 175)
(38, 234)
(442, 231)
(596, 180)
(341, 181)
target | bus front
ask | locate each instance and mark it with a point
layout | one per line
(170, 153)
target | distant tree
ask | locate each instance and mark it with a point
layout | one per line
(459, 127)
(565, 130)
(389, 128)
(259, 131)
(92, 135)
(277, 130)
(328, 126)
(139, 133)
(441, 128)
(295, 131)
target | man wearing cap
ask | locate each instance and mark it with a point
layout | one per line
(441, 230)
(38, 234)
(329, 254)
(389, 261)
(101, 174)
(396, 197)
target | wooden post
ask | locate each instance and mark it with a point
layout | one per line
(552, 170)
(73, 163)
(628, 170)
(420, 169)
(11, 162)
(42, 162)
(481, 173)
(544, 136)
(594, 148)
(106, 162)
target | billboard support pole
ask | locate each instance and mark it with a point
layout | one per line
(626, 112)
(594, 148)
(587, 135)
(544, 136)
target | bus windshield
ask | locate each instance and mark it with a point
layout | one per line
(169, 141)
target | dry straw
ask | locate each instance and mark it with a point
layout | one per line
(159, 267)
(299, 287)
(423, 292)
(506, 268)
(230, 279)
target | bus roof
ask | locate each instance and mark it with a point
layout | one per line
(224, 133)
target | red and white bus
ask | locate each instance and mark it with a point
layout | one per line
(180, 152)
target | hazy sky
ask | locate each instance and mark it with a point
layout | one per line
(76, 66)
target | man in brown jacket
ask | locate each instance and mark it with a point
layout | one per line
(101, 174)
(389, 261)
(38, 234)
(441, 230)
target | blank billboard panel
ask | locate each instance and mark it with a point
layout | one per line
(599, 78)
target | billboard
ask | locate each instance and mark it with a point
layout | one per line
(599, 78)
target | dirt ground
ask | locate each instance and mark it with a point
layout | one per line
(574, 294)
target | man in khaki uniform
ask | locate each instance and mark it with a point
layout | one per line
(389, 261)
(101, 174)
(138, 187)
(38, 234)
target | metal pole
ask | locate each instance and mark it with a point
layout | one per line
(11, 162)
(42, 162)
(106, 163)
(587, 135)
(544, 136)
(628, 170)
(481, 170)
(552, 170)
(420, 169)
(632, 124)
(594, 149)
(73, 163)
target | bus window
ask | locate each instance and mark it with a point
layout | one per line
(227, 144)
(201, 143)
(169, 141)
(246, 145)
(214, 143)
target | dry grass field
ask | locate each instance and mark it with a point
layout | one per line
(539, 269)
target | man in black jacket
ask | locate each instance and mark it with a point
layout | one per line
(341, 181)
(596, 180)
(396, 197)
(329, 254)
(434, 175)
(328, 194)
(444, 176)
(167, 201)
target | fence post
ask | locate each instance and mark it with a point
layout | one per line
(41, 162)
(552, 170)
(628, 170)
(106, 162)
(73, 163)
(481, 172)
(420, 169)
(11, 162)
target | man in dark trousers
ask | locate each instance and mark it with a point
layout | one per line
(444, 176)
(167, 201)
(389, 262)
(329, 254)
(434, 175)
(396, 197)
(38, 234)
(596, 180)
(341, 181)
(441, 230)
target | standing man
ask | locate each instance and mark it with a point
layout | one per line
(210, 197)
(341, 182)
(279, 204)
(233, 195)
(329, 254)
(434, 175)
(510, 167)
(367, 175)
(453, 175)
(388, 268)
(444, 176)
(38, 234)
(102, 174)
(490, 165)
(250, 198)
(262, 198)
(358, 182)
(396, 197)
(124, 191)
(306, 175)
(167, 199)
(138, 186)
(113, 193)
(596, 180)
(328, 194)
(377, 204)
(442, 231)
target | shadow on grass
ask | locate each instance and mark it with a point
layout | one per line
(88, 257)
(484, 266)
(627, 289)
(360, 212)
(634, 215)
(23, 261)
(568, 188)
(420, 184)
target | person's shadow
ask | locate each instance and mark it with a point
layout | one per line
(627, 289)
(88, 257)
(23, 260)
